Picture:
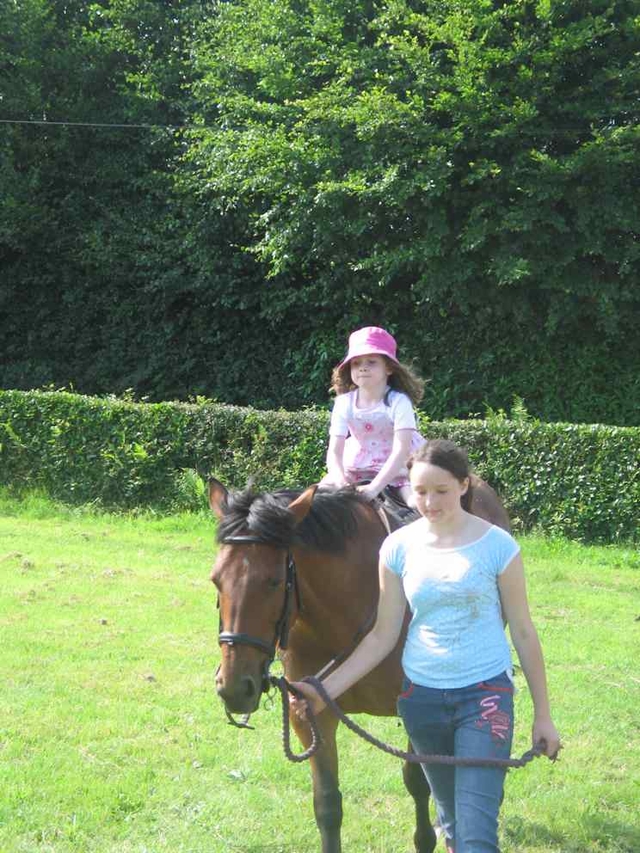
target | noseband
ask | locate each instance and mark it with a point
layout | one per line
(281, 632)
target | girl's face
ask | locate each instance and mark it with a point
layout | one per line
(369, 371)
(437, 492)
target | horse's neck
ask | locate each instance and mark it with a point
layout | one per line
(340, 591)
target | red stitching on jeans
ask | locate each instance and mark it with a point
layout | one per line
(406, 693)
(498, 720)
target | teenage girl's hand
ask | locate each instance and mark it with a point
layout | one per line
(545, 736)
(311, 700)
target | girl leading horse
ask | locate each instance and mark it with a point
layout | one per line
(298, 572)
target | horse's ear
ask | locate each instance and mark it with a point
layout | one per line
(301, 506)
(217, 497)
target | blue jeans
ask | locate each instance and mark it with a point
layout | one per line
(474, 721)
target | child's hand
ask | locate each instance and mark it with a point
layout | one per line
(338, 481)
(368, 492)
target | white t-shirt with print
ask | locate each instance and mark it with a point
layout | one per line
(370, 431)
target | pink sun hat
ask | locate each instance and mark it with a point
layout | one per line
(372, 340)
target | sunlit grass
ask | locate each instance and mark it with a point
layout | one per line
(111, 738)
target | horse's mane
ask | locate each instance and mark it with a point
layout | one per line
(329, 524)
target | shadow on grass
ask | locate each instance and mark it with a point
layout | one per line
(602, 832)
(261, 848)
(620, 836)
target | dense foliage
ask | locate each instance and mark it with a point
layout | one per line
(462, 172)
(466, 170)
(98, 288)
(579, 481)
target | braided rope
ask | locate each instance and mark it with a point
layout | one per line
(415, 758)
(316, 741)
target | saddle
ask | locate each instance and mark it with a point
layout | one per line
(395, 510)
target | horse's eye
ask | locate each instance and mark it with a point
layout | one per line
(274, 583)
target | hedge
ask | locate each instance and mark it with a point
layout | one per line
(573, 480)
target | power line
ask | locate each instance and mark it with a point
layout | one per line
(97, 124)
(102, 124)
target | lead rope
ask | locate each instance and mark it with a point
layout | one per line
(285, 688)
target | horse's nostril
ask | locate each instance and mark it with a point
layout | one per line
(250, 687)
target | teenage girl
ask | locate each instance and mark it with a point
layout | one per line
(457, 574)
(373, 423)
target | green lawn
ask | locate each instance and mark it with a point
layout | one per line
(112, 739)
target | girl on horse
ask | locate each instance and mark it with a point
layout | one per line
(373, 422)
(458, 574)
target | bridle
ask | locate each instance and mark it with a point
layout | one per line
(281, 631)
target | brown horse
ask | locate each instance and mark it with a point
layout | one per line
(297, 574)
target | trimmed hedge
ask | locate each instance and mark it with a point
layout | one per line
(578, 481)
(122, 454)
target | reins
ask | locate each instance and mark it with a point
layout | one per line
(285, 688)
(280, 640)
(281, 632)
(291, 592)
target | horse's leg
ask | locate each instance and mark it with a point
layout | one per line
(415, 782)
(327, 799)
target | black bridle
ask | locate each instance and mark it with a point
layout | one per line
(281, 631)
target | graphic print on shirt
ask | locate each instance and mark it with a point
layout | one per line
(369, 433)
(370, 442)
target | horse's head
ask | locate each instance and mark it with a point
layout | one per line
(255, 578)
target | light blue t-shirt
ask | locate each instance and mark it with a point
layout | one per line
(456, 636)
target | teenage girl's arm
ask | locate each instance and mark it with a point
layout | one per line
(400, 452)
(377, 644)
(335, 466)
(513, 595)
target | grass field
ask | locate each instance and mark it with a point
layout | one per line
(112, 739)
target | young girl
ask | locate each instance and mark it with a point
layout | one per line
(373, 424)
(457, 573)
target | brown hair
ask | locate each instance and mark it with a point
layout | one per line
(401, 378)
(449, 456)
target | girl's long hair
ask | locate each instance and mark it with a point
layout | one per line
(401, 378)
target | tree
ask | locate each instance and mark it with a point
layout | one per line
(455, 166)
(463, 172)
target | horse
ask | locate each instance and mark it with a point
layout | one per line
(297, 575)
